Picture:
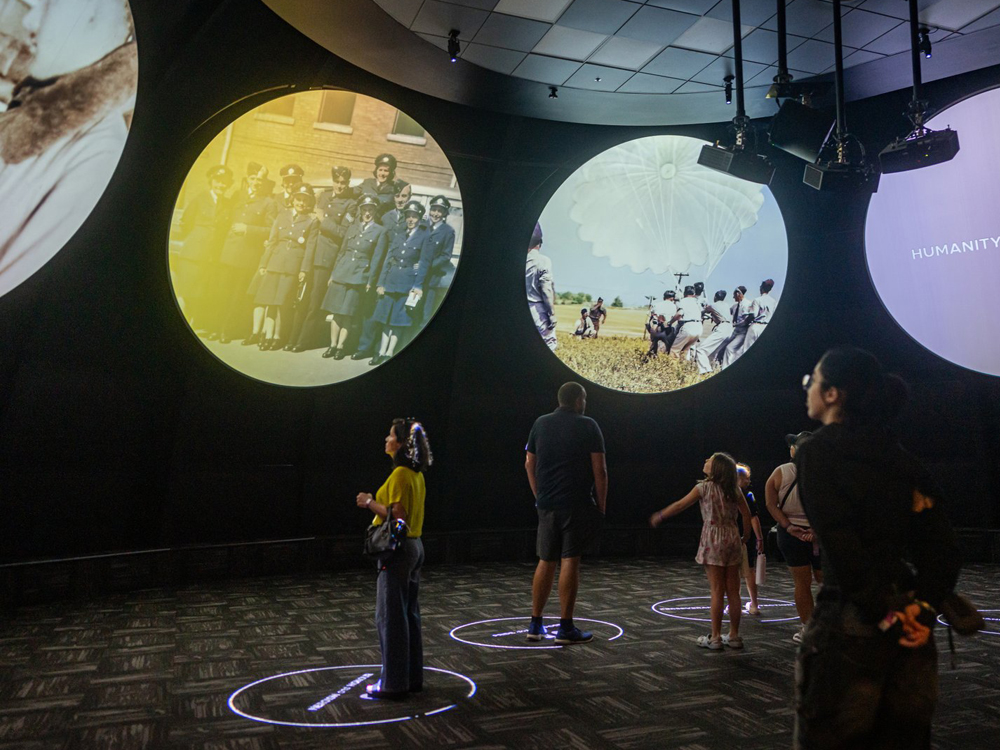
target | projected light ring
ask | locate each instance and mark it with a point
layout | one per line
(670, 611)
(942, 621)
(454, 630)
(394, 720)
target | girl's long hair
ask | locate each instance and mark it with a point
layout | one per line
(722, 471)
(414, 451)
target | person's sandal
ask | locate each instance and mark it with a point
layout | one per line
(732, 641)
(712, 644)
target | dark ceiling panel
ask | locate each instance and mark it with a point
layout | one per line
(656, 25)
(440, 18)
(752, 12)
(860, 27)
(805, 18)
(493, 58)
(678, 63)
(761, 45)
(512, 33)
(600, 16)
(543, 69)
(643, 83)
(586, 78)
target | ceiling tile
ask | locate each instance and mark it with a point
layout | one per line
(697, 88)
(538, 10)
(804, 17)
(752, 12)
(550, 70)
(643, 83)
(657, 25)
(812, 55)
(860, 27)
(761, 45)
(678, 63)
(511, 33)
(725, 66)
(954, 14)
(611, 78)
(437, 41)
(601, 16)
(709, 35)
(440, 18)
(857, 58)
(897, 40)
(493, 58)
(481, 4)
(986, 22)
(894, 8)
(572, 44)
(403, 11)
(625, 53)
(699, 7)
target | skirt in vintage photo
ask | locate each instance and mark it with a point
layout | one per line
(343, 299)
(391, 310)
(273, 288)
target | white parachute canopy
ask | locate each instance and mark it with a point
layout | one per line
(647, 204)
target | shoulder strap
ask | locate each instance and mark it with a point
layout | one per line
(781, 503)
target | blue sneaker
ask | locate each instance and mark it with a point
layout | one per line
(535, 632)
(574, 635)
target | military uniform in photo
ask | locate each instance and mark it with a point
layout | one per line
(291, 176)
(760, 313)
(241, 253)
(383, 192)
(405, 269)
(293, 236)
(540, 290)
(741, 322)
(706, 351)
(202, 227)
(335, 214)
(355, 268)
(441, 239)
(689, 326)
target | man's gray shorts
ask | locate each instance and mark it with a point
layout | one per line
(568, 532)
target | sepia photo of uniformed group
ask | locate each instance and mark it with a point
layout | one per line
(314, 237)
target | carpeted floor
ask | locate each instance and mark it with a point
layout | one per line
(157, 668)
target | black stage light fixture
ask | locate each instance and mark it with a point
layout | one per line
(923, 147)
(737, 160)
(800, 130)
(842, 172)
(924, 41)
(453, 47)
(553, 92)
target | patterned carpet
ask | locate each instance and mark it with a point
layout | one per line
(155, 669)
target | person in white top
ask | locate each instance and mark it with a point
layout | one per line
(796, 540)
(540, 288)
(70, 83)
(689, 310)
(740, 311)
(706, 350)
(761, 309)
(585, 326)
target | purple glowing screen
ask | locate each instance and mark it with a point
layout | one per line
(932, 240)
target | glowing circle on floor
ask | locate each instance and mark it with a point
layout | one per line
(696, 609)
(992, 617)
(326, 697)
(495, 634)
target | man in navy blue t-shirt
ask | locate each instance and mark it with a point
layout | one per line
(569, 478)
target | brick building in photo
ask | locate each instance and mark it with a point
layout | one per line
(320, 129)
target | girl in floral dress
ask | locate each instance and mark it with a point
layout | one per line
(721, 548)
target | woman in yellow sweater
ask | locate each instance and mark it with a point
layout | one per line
(397, 609)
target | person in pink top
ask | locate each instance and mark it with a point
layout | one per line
(721, 547)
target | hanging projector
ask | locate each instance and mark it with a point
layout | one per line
(836, 175)
(919, 149)
(736, 162)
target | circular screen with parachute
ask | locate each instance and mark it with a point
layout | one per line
(648, 272)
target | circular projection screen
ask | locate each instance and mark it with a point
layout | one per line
(932, 239)
(636, 283)
(68, 73)
(315, 237)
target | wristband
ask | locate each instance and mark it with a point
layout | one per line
(368, 503)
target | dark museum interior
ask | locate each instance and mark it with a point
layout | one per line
(132, 460)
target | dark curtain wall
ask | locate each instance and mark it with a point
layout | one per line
(118, 431)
